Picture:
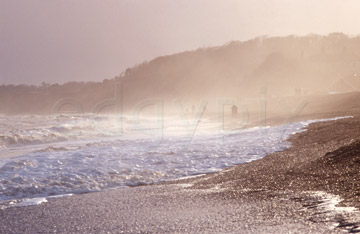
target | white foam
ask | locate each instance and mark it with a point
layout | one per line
(330, 209)
(332, 203)
(185, 185)
(98, 161)
(29, 202)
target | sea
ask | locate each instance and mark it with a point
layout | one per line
(50, 156)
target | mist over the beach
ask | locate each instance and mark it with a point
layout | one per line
(130, 116)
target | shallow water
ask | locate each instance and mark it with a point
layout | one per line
(55, 155)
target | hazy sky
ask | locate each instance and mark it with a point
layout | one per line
(62, 40)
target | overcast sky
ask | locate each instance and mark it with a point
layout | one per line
(89, 40)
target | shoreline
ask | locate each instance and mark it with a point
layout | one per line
(306, 157)
(285, 130)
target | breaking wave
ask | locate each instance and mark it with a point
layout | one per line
(111, 160)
